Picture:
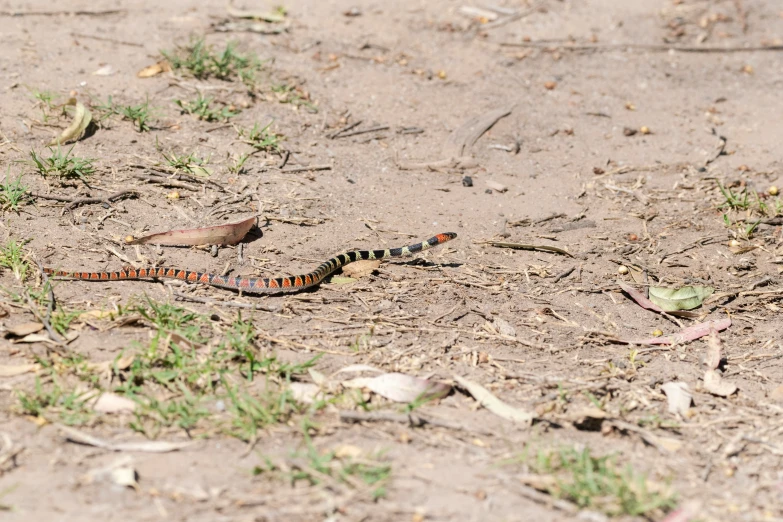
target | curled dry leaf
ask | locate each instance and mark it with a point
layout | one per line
(112, 403)
(400, 387)
(149, 446)
(685, 298)
(712, 357)
(361, 268)
(714, 383)
(154, 69)
(20, 330)
(17, 369)
(678, 396)
(493, 404)
(229, 234)
(81, 119)
(271, 17)
(685, 335)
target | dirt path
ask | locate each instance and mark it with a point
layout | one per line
(637, 142)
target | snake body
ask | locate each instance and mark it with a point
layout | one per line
(259, 285)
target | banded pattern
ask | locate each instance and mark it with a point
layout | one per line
(252, 285)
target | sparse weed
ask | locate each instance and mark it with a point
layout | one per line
(45, 102)
(261, 138)
(70, 406)
(201, 61)
(12, 192)
(296, 96)
(64, 166)
(138, 114)
(238, 166)
(12, 257)
(598, 483)
(189, 163)
(353, 471)
(202, 108)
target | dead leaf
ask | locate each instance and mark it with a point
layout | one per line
(504, 327)
(112, 403)
(106, 70)
(341, 280)
(271, 17)
(81, 119)
(20, 330)
(678, 395)
(494, 185)
(493, 404)
(120, 472)
(229, 234)
(304, 392)
(356, 368)
(123, 363)
(154, 69)
(685, 298)
(400, 387)
(685, 335)
(17, 369)
(714, 383)
(777, 394)
(522, 246)
(148, 446)
(361, 268)
(712, 356)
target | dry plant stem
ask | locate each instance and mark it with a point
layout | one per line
(413, 419)
(364, 131)
(307, 168)
(61, 13)
(598, 47)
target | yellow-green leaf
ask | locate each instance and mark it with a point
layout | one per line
(81, 120)
(685, 298)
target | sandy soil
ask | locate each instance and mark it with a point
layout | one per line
(614, 129)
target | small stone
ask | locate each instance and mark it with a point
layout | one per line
(622, 270)
(467, 181)
(628, 131)
(488, 191)
(773, 190)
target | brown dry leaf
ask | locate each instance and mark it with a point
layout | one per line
(229, 234)
(714, 383)
(81, 119)
(112, 403)
(20, 330)
(123, 363)
(400, 387)
(685, 335)
(271, 17)
(712, 357)
(361, 268)
(304, 392)
(148, 446)
(17, 369)
(504, 327)
(493, 404)
(154, 69)
(678, 396)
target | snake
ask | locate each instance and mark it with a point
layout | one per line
(253, 285)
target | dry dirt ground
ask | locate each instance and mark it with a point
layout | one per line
(615, 128)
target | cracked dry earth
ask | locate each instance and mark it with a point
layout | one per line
(617, 140)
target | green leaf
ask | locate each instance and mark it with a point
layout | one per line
(685, 298)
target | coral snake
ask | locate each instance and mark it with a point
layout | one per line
(252, 285)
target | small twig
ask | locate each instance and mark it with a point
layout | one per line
(75, 202)
(412, 419)
(307, 168)
(364, 131)
(563, 275)
(344, 129)
(46, 321)
(166, 182)
(104, 39)
(65, 13)
(600, 47)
